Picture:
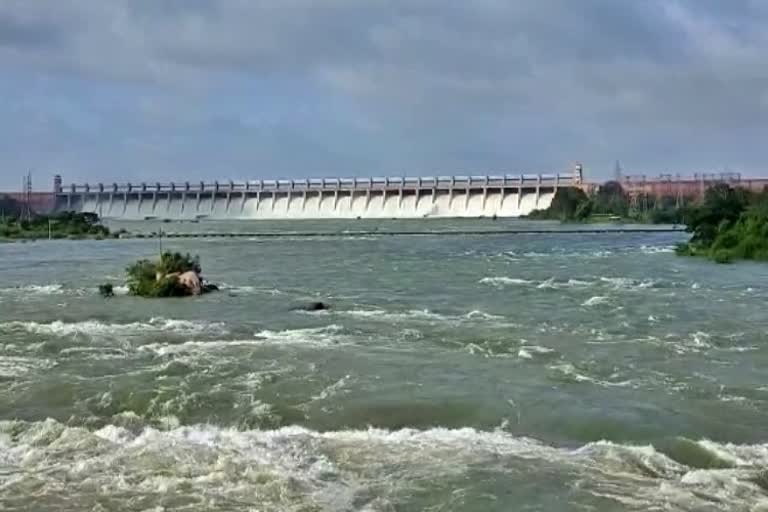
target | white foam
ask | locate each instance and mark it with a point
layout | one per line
(97, 328)
(570, 371)
(626, 283)
(12, 366)
(657, 249)
(382, 314)
(278, 469)
(248, 289)
(36, 289)
(554, 284)
(531, 351)
(749, 456)
(502, 281)
(333, 389)
(596, 301)
(325, 337)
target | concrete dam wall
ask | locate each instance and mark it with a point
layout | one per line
(400, 198)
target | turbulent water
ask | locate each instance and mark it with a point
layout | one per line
(480, 373)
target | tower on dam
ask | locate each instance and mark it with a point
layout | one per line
(327, 198)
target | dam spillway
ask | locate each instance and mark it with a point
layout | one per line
(328, 198)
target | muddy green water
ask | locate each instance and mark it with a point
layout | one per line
(470, 373)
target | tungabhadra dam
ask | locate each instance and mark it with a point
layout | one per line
(335, 198)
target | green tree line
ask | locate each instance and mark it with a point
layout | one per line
(729, 224)
(13, 225)
(610, 200)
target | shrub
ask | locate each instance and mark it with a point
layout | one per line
(176, 262)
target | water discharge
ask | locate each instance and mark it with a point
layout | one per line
(547, 372)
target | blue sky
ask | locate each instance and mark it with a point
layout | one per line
(149, 90)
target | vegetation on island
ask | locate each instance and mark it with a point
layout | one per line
(729, 224)
(14, 225)
(173, 275)
(609, 202)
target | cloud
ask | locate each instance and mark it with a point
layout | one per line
(293, 87)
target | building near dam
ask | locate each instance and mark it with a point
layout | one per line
(328, 198)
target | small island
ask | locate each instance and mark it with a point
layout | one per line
(173, 275)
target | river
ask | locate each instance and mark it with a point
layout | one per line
(543, 372)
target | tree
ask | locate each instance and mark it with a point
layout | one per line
(611, 199)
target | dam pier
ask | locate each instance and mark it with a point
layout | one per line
(322, 198)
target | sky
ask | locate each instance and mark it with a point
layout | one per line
(148, 90)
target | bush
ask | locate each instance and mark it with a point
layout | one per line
(176, 262)
(722, 256)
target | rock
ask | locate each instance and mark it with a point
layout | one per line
(210, 287)
(191, 281)
(314, 306)
(106, 290)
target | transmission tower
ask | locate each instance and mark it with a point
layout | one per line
(26, 212)
(617, 172)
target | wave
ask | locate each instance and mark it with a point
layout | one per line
(328, 336)
(35, 289)
(15, 366)
(285, 468)
(501, 281)
(569, 372)
(531, 351)
(657, 249)
(382, 314)
(333, 389)
(97, 328)
(596, 301)
(553, 283)
(248, 289)
(628, 283)
(419, 315)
